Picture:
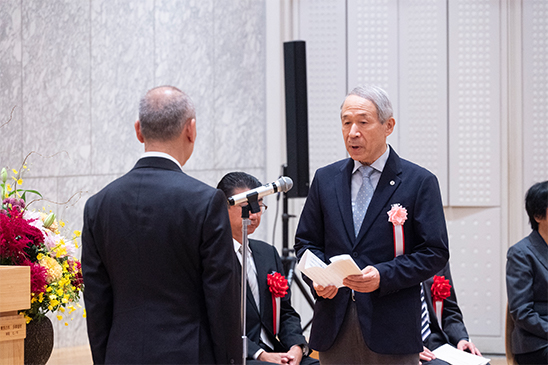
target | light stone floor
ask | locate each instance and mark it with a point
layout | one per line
(82, 356)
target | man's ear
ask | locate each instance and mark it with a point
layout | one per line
(390, 124)
(138, 132)
(190, 130)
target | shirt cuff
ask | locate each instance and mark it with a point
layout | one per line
(256, 355)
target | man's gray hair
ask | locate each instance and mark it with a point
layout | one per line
(163, 117)
(378, 97)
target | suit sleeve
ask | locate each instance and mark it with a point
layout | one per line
(291, 332)
(519, 286)
(310, 235)
(430, 243)
(98, 294)
(220, 281)
(453, 322)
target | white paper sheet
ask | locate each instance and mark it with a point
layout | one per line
(457, 357)
(333, 274)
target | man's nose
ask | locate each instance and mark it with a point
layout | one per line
(354, 130)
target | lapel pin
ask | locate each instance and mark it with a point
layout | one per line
(392, 182)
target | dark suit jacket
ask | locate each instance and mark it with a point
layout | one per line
(160, 274)
(527, 289)
(267, 260)
(452, 328)
(389, 316)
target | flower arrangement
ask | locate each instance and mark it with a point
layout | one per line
(32, 238)
(277, 284)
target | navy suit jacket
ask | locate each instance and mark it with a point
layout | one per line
(389, 316)
(160, 274)
(452, 328)
(267, 260)
(527, 289)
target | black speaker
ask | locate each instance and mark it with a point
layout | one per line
(296, 117)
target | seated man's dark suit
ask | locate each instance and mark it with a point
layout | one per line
(452, 328)
(390, 317)
(267, 260)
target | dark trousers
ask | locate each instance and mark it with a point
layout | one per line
(533, 358)
(350, 347)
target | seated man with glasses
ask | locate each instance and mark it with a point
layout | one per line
(271, 338)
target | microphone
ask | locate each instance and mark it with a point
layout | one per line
(282, 185)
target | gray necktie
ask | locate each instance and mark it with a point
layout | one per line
(359, 207)
(252, 277)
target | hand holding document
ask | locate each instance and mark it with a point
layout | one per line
(457, 357)
(333, 274)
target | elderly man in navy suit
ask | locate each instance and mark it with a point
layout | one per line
(376, 316)
(161, 278)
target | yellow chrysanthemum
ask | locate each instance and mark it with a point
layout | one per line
(55, 271)
(40, 256)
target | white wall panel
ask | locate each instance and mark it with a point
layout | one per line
(373, 49)
(475, 246)
(323, 28)
(535, 91)
(423, 86)
(474, 103)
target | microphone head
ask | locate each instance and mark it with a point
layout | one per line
(285, 184)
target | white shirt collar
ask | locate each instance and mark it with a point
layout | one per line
(163, 155)
(237, 247)
(379, 163)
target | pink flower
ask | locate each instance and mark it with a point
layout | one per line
(397, 215)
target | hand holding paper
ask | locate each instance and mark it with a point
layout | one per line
(368, 280)
(341, 266)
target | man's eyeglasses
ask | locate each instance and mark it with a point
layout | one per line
(262, 206)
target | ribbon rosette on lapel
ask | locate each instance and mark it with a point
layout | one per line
(397, 216)
(441, 289)
(277, 283)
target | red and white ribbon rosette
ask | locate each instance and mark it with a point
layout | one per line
(441, 290)
(397, 216)
(277, 283)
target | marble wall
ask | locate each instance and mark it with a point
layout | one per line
(72, 73)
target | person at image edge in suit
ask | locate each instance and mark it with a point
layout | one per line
(161, 280)
(451, 330)
(376, 316)
(527, 282)
(288, 346)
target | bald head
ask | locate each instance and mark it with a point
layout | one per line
(163, 113)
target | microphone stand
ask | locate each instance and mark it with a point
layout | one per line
(253, 206)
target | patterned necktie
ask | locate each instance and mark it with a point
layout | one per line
(425, 326)
(252, 277)
(359, 207)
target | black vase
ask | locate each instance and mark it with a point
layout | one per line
(39, 341)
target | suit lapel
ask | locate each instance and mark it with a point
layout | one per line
(539, 248)
(388, 184)
(264, 292)
(342, 183)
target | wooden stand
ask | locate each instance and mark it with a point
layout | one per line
(14, 296)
